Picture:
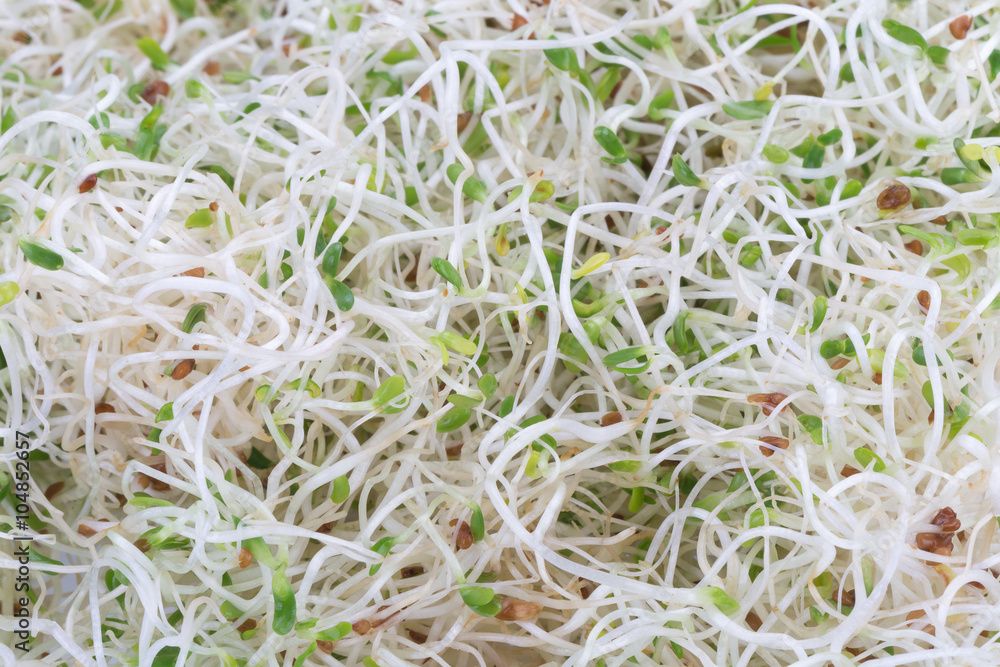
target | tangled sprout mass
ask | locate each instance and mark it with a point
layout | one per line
(496, 334)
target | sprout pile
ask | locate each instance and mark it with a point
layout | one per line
(487, 334)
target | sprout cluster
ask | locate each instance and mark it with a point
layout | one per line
(478, 333)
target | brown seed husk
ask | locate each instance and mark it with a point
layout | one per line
(959, 28)
(767, 402)
(411, 571)
(847, 598)
(154, 91)
(158, 484)
(611, 418)
(87, 184)
(893, 198)
(463, 538)
(182, 369)
(939, 543)
(54, 489)
(946, 520)
(775, 442)
(924, 300)
(512, 609)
